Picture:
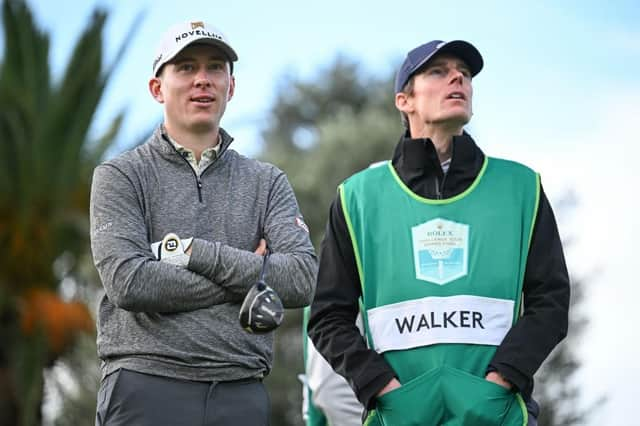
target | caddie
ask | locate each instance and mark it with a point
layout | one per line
(456, 259)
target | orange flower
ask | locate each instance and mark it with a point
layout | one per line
(60, 321)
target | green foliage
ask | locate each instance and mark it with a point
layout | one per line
(30, 352)
(323, 131)
(47, 156)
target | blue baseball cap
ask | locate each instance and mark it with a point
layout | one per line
(419, 56)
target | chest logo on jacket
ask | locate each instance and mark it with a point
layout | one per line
(440, 250)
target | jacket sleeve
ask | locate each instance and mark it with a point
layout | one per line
(292, 265)
(133, 279)
(545, 318)
(332, 323)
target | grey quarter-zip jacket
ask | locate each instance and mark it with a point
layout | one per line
(162, 319)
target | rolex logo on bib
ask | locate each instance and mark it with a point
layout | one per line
(440, 250)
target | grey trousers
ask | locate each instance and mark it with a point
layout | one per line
(130, 398)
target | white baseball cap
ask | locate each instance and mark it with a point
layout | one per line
(183, 34)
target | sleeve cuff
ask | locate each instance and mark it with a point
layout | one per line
(202, 259)
(367, 394)
(520, 381)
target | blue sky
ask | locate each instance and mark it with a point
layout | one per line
(560, 91)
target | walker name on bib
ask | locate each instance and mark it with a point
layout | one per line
(455, 319)
(435, 320)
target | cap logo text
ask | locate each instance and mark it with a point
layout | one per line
(198, 33)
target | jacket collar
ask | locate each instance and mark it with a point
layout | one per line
(416, 160)
(161, 142)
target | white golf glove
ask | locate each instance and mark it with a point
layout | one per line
(172, 250)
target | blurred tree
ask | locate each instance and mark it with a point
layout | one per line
(321, 132)
(557, 390)
(46, 161)
(77, 392)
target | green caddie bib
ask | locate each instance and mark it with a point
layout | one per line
(442, 284)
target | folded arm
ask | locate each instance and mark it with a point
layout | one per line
(132, 277)
(292, 264)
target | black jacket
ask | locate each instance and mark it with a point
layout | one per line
(546, 283)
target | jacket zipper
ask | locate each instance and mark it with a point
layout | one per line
(440, 186)
(198, 181)
(199, 189)
(437, 187)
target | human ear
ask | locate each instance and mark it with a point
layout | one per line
(402, 102)
(232, 87)
(155, 85)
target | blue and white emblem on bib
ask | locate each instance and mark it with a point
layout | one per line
(440, 250)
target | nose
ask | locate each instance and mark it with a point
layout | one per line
(203, 79)
(456, 76)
